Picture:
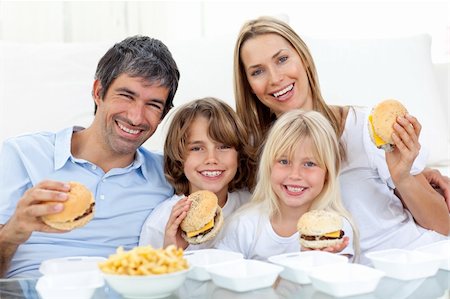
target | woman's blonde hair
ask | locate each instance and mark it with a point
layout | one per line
(287, 133)
(224, 126)
(256, 116)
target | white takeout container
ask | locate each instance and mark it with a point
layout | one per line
(244, 275)
(77, 285)
(442, 249)
(71, 265)
(298, 264)
(201, 260)
(345, 279)
(146, 286)
(405, 264)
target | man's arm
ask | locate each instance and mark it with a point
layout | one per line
(27, 218)
(7, 250)
(425, 204)
(439, 182)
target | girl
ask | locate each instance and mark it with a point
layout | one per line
(297, 172)
(205, 149)
(391, 200)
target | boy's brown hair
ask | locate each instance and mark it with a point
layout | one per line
(224, 127)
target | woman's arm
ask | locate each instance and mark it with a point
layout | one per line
(425, 204)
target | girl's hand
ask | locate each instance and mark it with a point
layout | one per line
(172, 235)
(333, 249)
(407, 146)
(338, 247)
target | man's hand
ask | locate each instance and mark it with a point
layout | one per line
(43, 199)
(439, 182)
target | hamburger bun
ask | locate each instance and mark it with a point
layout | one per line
(78, 209)
(320, 229)
(381, 123)
(204, 218)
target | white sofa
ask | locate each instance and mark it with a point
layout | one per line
(48, 86)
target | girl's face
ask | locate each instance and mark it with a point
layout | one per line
(208, 165)
(299, 181)
(276, 73)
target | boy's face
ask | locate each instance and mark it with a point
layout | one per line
(129, 113)
(208, 165)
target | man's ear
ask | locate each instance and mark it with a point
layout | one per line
(96, 91)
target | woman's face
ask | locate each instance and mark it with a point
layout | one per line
(276, 73)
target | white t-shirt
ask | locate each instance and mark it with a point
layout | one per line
(367, 192)
(152, 232)
(251, 233)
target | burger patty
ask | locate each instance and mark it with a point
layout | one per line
(315, 238)
(88, 211)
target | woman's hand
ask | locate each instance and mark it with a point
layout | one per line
(172, 235)
(406, 139)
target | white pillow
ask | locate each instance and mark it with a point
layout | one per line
(365, 71)
(46, 87)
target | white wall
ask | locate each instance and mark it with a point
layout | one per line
(86, 21)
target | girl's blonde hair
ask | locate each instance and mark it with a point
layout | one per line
(256, 116)
(286, 134)
(224, 126)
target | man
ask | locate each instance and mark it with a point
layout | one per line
(133, 90)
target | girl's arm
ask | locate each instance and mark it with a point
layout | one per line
(425, 204)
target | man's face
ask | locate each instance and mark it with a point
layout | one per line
(129, 113)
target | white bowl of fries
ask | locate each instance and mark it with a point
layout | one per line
(154, 286)
(144, 272)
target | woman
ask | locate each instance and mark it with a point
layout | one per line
(275, 73)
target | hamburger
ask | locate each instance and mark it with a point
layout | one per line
(320, 229)
(204, 218)
(78, 209)
(381, 122)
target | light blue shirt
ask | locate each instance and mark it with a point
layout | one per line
(124, 197)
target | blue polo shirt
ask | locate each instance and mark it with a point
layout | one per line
(124, 197)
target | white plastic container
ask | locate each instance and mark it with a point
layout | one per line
(201, 260)
(297, 265)
(77, 285)
(345, 279)
(244, 275)
(71, 265)
(441, 249)
(70, 277)
(405, 264)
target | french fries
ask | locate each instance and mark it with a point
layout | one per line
(145, 260)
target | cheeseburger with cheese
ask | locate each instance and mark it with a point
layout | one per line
(204, 218)
(320, 229)
(381, 123)
(78, 209)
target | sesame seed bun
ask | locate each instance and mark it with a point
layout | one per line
(315, 224)
(384, 116)
(78, 209)
(204, 208)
